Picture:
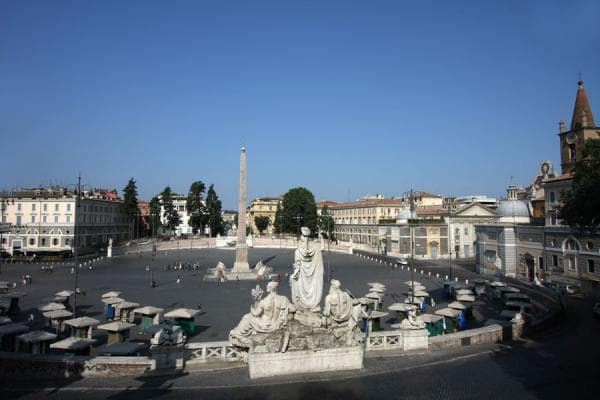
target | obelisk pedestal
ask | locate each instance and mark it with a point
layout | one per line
(241, 249)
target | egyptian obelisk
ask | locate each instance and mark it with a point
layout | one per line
(241, 249)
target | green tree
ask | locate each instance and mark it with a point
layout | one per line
(299, 209)
(154, 217)
(195, 206)
(170, 213)
(213, 211)
(130, 200)
(278, 223)
(326, 223)
(261, 222)
(581, 205)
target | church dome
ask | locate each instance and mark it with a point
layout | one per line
(513, 211)
(512, 208)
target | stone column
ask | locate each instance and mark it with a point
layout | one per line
(241, 249)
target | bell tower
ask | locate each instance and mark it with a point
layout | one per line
(582, 128)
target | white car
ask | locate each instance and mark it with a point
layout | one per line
(403, 262)
(571, 289)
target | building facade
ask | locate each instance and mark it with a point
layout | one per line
(263, 207)
(44, 220)
(550, 252)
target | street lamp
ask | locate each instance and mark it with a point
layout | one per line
(450, 240)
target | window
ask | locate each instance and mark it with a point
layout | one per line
(56, 219)
(18, 220)
(68, 219)
(45, 207)
(33, 219)
(3, 240)
(590, 245)
(33, 207)
(68, 207)
(553, 242)
(552, 197)
(466, 230)
(572, 151)
(541, 263)
(18, 206)
(54, 242)
(571, 264)
(56, 207)
(553, 218)
(44, 219)
(31, 241)
(43, 241)
(591, 268)
(555, 260)
(67, 242)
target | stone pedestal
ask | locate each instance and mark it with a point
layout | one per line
(241, 259)
(262, 365)
(414, 339)
(167, 359)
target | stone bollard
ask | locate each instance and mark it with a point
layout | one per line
(429, 274)
(421, 272)
(446, 277)
(466, 282)
(456, 279)
(437, 276)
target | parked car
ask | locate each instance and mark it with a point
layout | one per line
(403, 261)
(596, 310)
(571, 289)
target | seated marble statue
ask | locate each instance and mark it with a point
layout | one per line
(338, 304)
(412, 321)
(307, 278)
(266, 315)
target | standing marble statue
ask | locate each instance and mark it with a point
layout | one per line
(266, 315)
(307, 279)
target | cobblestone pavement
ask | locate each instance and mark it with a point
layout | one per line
(564, 361)
(223, 304)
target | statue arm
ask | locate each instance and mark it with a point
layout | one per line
(256, 311)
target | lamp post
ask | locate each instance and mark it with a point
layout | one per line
(450, 240)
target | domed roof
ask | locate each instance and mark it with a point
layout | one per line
(512, 208)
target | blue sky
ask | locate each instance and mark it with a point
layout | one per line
(345, 98)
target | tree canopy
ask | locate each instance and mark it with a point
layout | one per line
(298, 209)
(195, 206)
(170, 213)
(581, 205)
(130, 200)
(154, 217)
(213, 210)
(261, 222)
(326, 223)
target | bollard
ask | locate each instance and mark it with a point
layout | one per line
(403, 268)
(421, 272)
(455, 279)
(429, 273)
(437, 276)
(446, 277)
(466, 281)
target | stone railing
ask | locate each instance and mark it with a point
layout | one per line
(200, 352)
(384, 340)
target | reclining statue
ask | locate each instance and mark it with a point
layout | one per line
(266, 315)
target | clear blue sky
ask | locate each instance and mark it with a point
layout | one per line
(343, 97)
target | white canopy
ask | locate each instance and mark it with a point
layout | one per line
(182, 313)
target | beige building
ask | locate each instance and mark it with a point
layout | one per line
(43, 220)
(552, 252)
(266, 207)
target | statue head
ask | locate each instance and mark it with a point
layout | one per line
(335, 284)
(305, 231)
(272, 286)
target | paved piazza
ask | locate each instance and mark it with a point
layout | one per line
(560, 362)
(223, 304)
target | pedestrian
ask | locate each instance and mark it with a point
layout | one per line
(72, 270)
